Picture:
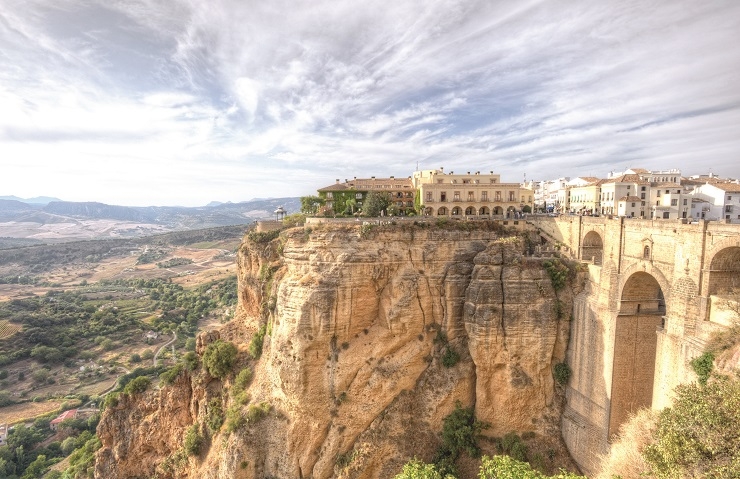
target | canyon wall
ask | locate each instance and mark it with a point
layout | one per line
(361, 325)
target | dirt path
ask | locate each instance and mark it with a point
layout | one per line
(174, 338)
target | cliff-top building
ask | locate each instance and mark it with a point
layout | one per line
(469, 195)
(451, 195)
(348, 197)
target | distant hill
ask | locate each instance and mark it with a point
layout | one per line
(38, 200)
(67, 220)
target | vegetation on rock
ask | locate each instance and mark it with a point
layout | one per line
(219, 358)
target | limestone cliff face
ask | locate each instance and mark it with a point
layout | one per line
(358, 324)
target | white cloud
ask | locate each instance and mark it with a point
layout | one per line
(143, 101)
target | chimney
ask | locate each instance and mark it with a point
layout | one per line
(442, 169)
(372, 178)
(337, 180)
(393, 177)
(468, 172)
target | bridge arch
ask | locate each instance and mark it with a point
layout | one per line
(724, 271)
(592, 247)
(642, 306)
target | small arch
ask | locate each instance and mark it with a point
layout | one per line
(428, 211)
(498, 210)
(442, 211)
(470, 211)
(456, 211)
(592, 248)
(646, 252)
(484, 211)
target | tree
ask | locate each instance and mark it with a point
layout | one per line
(310, 204)
(376, 203)
(219, 358)
(699, 436)
(415, 469)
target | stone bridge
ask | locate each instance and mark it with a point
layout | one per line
(655, 292)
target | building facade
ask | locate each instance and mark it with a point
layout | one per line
(348, 197)
(470, 195)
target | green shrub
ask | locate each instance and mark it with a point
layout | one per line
(137, 385)
(242, 380)
(460, 432)
(111, 400)
(559, 273)
(699, 435)
(702, 366)
(505, 467)
(255, 345)
(415, 469)
(190, 359)
(255, 412)
(562, 373)
(169, 376)
(219, 358)
(214, 415)
(194, 441)
(450, 357)
(235, 420)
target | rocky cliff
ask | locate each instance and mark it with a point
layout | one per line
(372, 334)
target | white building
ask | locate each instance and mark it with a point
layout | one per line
(716, 201)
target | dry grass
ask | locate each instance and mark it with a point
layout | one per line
(7, 329)
(625, 459)
(28, 411)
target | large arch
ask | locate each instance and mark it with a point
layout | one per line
(592, 247)
(484, 211)
(497, 210)
(456, 211)
(442, 211)
(428, 211)
(642, 306)
(470, 211)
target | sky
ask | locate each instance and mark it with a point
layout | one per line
(183, 102)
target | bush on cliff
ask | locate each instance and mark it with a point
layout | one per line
(460, 432)
(219, 358)
(137, 385)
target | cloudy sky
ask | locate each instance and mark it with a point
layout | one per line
(161, 102)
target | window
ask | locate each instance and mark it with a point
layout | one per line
(443, 196)
(674, 202)
(646, 252)
(685, 202)
(512, 196)
(667, 191)
(658, 193)
(642, 188)
(633, 205)
(471, 196)
(484, 196)
(329, 195)
(429, 196)
(456, 196)
(642, 196)
(498, 196)
(466, 182)
(358, 196)
(439, 182)
(666, 215)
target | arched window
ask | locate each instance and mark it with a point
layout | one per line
(646, 252)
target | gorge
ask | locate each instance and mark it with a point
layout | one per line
(357, 325)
